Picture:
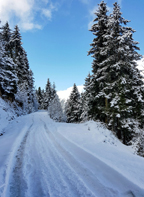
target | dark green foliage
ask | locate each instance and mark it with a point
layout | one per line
(6, 39)
(39, 97)
(48, 94)
(8, 76)
(99, 29)
(72, 106)
(116, 86)
(16, 79)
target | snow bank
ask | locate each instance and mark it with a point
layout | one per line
(8, 112)
(101, 142)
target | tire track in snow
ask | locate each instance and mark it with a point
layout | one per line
(51, 175)
(98, 176)
(38, 167)
(70, 168)
(71, 183)
(33, 166)
(17, 185)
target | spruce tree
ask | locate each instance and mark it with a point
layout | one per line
(119, 91)
(19, 56)
(86, 100)
(6, 39)
(125, 90)
(39, 97)
(16, 42)
(43, 99)
(8, 77)
(72, 106)
(48, 94)
(55, 109)
(53, 91)
(96, 100)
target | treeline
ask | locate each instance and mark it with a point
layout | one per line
(114, 92)
(16, 78)
(49, 100)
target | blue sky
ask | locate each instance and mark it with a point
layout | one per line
(56, 38)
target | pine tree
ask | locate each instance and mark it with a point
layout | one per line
(25, 95)
(126, 87)
(86, 99)
(16, 42)
(53, 91)
(8, 77)
(6, 39)
(55, 109)
(119, 91)
(43, 99)
(19, 56)
(39, 97)
(96, 100)
(48, 94)
(72, 106)
(31, 92)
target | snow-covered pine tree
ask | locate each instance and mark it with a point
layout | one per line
(6, 38)
(97, 100)
(9, 82)
(125, 90)
(55, 109)
(32, 100)
(16, 43)
(53, 91)
(48, 94)
(24, 74)
(43, 99)
(72, 106)
(39, 97)
(119, 93)
(86, 99)
(19, 56)
(8, 77)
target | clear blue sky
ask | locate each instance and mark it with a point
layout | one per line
(56, 38)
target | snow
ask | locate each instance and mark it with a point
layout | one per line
(64, 94)
(39, 157)
(141, 66)
(6, 114)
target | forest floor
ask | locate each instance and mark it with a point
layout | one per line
(39, 157)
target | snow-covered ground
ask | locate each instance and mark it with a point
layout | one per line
(39, 157)
(7, 114)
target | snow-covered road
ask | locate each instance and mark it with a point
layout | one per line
(37, 160)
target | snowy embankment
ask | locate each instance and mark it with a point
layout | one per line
(7, 114)
(39, 157)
